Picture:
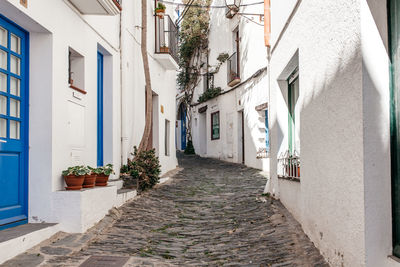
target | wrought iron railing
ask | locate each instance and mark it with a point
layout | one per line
(166, 37)
(289, 165)
(233, 69)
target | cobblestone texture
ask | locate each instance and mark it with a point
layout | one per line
(211, 213)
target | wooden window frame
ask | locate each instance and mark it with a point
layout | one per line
(212, 124)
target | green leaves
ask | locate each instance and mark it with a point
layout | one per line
(145, 167)
(85, 170)
(76, 170)
(160, 6)
(209, 94)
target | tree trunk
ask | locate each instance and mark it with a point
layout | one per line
(144, 143)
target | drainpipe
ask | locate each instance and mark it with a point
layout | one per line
(124, 136)
(267, 41)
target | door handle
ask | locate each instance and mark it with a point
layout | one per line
(3, 141)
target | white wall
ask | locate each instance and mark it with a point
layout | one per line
(343, 198)
(63, 122)
(163, 84)
(253, 57)
(377, 176)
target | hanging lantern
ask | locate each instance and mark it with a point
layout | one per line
(233, 4)
(232, 7)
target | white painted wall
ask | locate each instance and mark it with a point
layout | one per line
(343, 198)
(63, 122)
(163, 84)
(253, 56)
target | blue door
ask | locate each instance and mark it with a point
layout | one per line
(100, 109)
(183, 127)
(13, 124)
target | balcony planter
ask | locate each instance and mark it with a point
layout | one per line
(234, 81)
(164, 49)
(160, 10)
(103, 173)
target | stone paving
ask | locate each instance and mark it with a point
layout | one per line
(211, 213)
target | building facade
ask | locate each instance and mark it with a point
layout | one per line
(234, 125)
(72, 93)
(331, 89)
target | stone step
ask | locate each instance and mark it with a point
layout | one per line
(16, 240)
(124, 195)
(117, 182)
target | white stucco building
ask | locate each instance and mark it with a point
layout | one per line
(331, 87)
(233, 126)
(72, 93)
(330, 102)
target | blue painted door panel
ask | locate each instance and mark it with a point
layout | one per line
(183, 128)
(100, 155)
(13, 124)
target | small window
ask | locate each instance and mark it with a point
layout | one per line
(215, 130)
(167, 134)
(76, 71)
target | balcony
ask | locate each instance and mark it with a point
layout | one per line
(166, 42)
(289, 166)
(98, 7)
(233, 70)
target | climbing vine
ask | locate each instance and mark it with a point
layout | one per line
(193, 49)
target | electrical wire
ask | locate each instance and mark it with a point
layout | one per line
(249, 19)
(200, 6)
(184, 12)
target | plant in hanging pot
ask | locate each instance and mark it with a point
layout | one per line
(74, 177)
(160, 10)
(90, 178)
(102, 174)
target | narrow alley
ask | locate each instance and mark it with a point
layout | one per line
(211, 213)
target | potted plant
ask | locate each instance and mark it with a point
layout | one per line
(74, 177)
(164, 49)
(160, 10)
(103, 173)
(90, 178)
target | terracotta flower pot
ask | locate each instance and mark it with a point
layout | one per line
(160, 13)
(164, 49)
(74, 182)
(90, 181)
(101, 180)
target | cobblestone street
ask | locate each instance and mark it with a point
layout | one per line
(211, 213)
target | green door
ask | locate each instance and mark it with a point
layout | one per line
(394, 26)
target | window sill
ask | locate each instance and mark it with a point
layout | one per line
(289, 178)
(77, 89)
(394, 258)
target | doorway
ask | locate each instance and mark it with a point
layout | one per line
(14, 120)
